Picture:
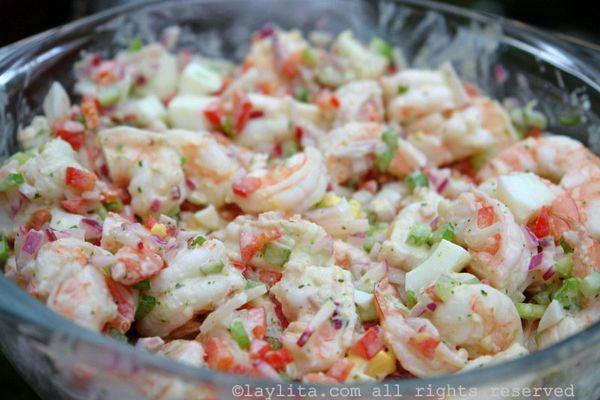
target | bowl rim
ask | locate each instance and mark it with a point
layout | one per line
(20, 307)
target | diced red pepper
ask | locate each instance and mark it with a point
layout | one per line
(534, 132)
(369, 344)
(258, 349)
(242, 109)
(218, 354)
(246, 186)
(291, 65)
(258, 318)
(214, 113)
(80, 179)
(340, 369)
(76, 206)
(485, 217)
(269, 278)
(426, 345)
(74, 138)
(278, 359)
(541, 225)
(334, 101)
(90, 110)
(253, 242)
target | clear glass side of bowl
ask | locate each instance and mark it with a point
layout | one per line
(61, 360)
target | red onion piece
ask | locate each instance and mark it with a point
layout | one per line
(303, 339)
(32, 242)
(92, 228)
(536, 260)
(431, 307)
(434, 223)
(548, 274)
(190, 184)
(175, 193)
(531, 238)
(442, 185)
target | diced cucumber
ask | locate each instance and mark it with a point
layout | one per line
(145, 305)
(11, 181)
(418, 234)
(529, 311)
(239, 335)
(590, 285)
(213, 267)
(109, 96)
(564, 266)
(4, 249)
(569, 294)
(416, 179)
(276, 254)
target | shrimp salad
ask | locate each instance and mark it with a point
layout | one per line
(320, 212)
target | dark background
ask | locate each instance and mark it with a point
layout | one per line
(22, 18)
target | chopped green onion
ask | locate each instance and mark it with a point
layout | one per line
(411, 298)
(569, 294)
(446, 231)
(564, 266)
(251, 283)
(289, 148)
(117, 335)
(382, 47)
(542, 298)
(368, 313)
(383, 160)
(11, 181)
(109, 96)
(402, 89)
(145, 305)
(227, 126)
(143, 285)
(4, 249)
(274, 342)
(419, 234)
(530, 312)
(390, 137)
(114, 206)
(198, 241)
(565, 246)
(570, 119)
(417, 178)
(239, 335)
(302, 94)
(590, 285)
(135, 46)
(276, 254)
(101, 212)
(212, 268)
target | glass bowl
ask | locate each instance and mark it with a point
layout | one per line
(506, 59)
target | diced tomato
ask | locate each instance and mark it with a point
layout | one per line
(80, 179)
(291, 65)
(218, 354)
(258, 318)
(369, 344)
(269, 278)
(279, 313)
(150, 222)
(485, 217)
(39, 218)
(214, 113)
(242, 109)
(253, 242)
(541, 225)
(334, 101)
(76, 206)
(74, 138)
(90, 110)
(258, 349)
(126, 304)
(246, 186)
(426, 344)
(534, 132)
(278, 359)
(340, 369)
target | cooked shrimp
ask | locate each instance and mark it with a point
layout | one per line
(303, 242)
(62, 275)
(209, 165)
(416, 342)
(293, 185)
(550, 157)
(501, 252)
(475, 317)
(319, 303)
(422, 208)
(515, 351)
(149, 168)
(195, 281)
(412, 94)
(481, 126)
(360, 101)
